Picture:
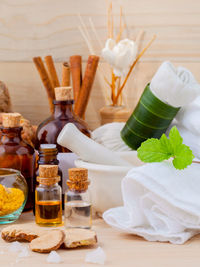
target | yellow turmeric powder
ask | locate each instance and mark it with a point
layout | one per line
(11, 199)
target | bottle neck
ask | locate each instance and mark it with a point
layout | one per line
(48, 156)
(63, 109)
(51, 181)
(79, 186)
(11, 133)
(48, 185)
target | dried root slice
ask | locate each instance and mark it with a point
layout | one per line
(5, 102)
(28, 132)
(79, 237)
(21, 233)
(52, 240)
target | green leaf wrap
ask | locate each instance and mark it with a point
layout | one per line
(150, 119)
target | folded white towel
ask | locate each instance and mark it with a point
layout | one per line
(176, 87)
(160, 203)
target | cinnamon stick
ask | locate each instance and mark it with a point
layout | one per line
(76, 70)
(45, 80)
(52, 71)
(86, 85)
(65, 74)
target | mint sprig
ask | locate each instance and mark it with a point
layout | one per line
(157, 150)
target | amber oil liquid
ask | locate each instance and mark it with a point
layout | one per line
(48, 213)
(78, 214)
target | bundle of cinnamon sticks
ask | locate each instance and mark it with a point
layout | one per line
(81, 86)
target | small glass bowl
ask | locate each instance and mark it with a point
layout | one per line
(13, 195)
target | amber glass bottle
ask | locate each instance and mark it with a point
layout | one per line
(15, 153)
(48, 156)
(49, 130)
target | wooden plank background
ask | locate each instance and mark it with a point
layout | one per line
(37, 28)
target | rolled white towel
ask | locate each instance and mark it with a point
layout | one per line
(160, 203)
(175, 86)
(189, 116)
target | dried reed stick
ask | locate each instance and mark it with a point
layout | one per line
(86, 36)
(110, 21)
(84, 27)
(125, 26)
(113, 86)
(121, 27)
(131, 68)
(139, 36)
(120, 22)
(118, 87)
(95, 33)
(86, 40)
(106, 80)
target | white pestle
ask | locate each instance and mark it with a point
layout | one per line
(86, 148)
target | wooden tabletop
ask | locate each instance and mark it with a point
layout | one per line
(121, 249)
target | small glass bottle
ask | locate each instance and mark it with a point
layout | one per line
(48, 200)
(49, 129)
(78, 207)
(48, 156)
(15, 153)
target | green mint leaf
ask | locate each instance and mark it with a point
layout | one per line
(152, 151)
(183, 157)
(157, 150)
(166, 144)
(175, 139)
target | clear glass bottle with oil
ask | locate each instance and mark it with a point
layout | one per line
(48, 197)
(78, 207)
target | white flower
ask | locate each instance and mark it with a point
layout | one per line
(120, 55)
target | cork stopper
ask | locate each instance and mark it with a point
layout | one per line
(63, 93)
(10, 120)
(48, 174)
(77, 174)
(78, 179)
(48, 171)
